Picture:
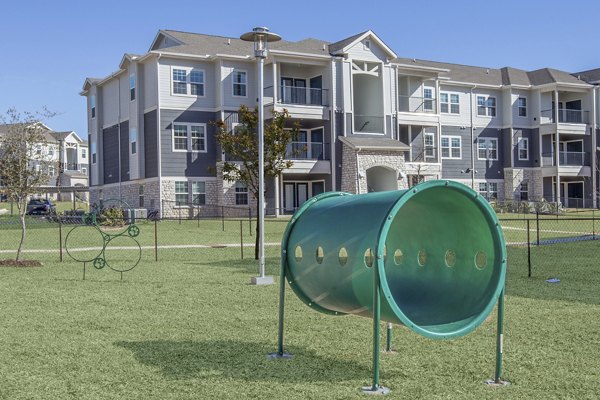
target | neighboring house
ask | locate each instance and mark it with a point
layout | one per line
(68, 156)
(369, 121)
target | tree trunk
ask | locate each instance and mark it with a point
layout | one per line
(22, 210)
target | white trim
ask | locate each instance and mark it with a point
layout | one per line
(131, 142)
(135, 91)
(188, 126)
(188, 82)
(525, 140)
(432, 147)
(233, 83)
(486, 98)
(519, 107)
(485, 139)
(449, 103)
(450, 147)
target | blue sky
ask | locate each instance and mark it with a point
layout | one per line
(49, 47)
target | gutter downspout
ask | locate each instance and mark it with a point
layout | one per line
(158, 144)
(593, 151)
(557, 149)
(472, 140)
(119, 134)
(358, 172)
(333, 116)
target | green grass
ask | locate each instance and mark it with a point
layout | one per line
(191, 327)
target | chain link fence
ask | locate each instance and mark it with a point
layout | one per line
(212, 229)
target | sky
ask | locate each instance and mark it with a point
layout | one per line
(48, 48)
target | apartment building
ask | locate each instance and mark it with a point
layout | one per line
(66, 154)
(369, 121)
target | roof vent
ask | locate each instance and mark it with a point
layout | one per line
(414, 60)
(228, 41)
(323, 46)
(487, 71)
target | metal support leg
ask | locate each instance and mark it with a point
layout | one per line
(280, 353)
(375, 388)
(497, 381)
(388, 343)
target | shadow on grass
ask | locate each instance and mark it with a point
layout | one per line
(239, 360)
(246, 266)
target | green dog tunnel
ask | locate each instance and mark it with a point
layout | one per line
(432, 258)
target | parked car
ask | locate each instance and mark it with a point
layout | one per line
(40, 207)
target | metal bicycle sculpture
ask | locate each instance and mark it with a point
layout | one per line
(107, 228)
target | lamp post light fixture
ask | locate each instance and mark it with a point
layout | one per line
(261, 38)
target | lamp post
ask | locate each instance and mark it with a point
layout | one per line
(261, 37)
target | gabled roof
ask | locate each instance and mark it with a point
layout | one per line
(590, 76)
(63, 135)
(342, 46)
(514, 77)
(127, 58)
(549, 75)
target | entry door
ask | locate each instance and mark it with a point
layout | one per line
(302, 194)
(300, 91)
(287, 85)
(288, 197)
(575, 194)
(316, 95)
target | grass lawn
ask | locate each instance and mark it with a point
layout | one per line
(191, 326)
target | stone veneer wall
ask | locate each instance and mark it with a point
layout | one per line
(513, 178)
(354, 162)
(129, 193)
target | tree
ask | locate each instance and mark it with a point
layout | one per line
(24, 160)
(241, 145)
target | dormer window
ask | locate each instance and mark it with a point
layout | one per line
(367, 44)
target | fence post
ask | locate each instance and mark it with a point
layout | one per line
(537, 226)
(250, 221)
(60, 241)
(198, 216)
(156, 239)
(528, 251)
(242, 238)
(593, 224)
(179, 214)
(223, 217)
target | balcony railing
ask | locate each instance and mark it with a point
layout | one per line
(415, 104)
(368, 123)
(566, 158)
(423, 155)
(72, 167)
(303, 96)
(305, 151)
(568, 116)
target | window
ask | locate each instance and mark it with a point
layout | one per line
(239, 83)
(367, 44)
(133, 139)
(179, 81)
(51, 170)
(83, 153)
(489, 190)
(487, 149)
(141, 196)
(451, 147)
(486, 106)
(93, 152)
(181, 193)
(198, 138)
(50, 151)
(197, 82)
(132, 87)
(523, 146)
(524, 191)
(38, 149)
(180, 137)
(198, 193)
(428, 99)
(195, 141)
(522, 106)
(429, 147)
(93, 105)
(452, 106)
(241, 193)
(84, 170)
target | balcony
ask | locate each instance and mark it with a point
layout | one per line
(570, 163)
(414, 104)
(416, 110)
(566, 158)
(301, 102)
(569, 121)
(71, 167)
(368, 124)
(305, 151)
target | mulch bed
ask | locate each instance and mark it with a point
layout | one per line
(20, 263)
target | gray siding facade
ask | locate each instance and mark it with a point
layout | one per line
(185, 163)
(451, 167)
(150, 145)
(124, 154)
(110, 148)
